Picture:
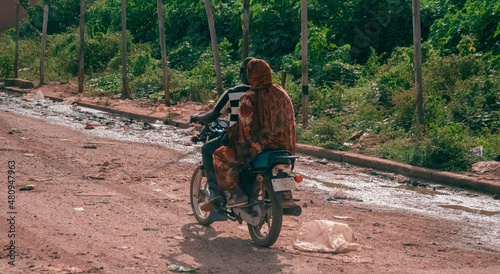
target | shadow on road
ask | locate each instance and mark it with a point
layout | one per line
(216, 254)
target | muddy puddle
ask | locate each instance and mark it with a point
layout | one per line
(470, 210)
(378, 191)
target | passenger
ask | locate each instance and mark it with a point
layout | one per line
(266, 121)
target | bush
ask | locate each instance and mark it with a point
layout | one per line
(338, 72)
(491, 145)
(445, 149)
(400, 149)
(149, 83)
(395, 77)
(7, 48)
(101, 49)
(325, 100)
(62, 55)
(141, 61)
(184, 57)
(107, 84)
(196, 84)
(404, 114)
(463, 89)
(325, 132)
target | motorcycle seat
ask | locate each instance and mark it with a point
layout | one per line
(270, 157)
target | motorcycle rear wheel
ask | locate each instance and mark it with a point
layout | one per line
(267, 232)
(199, 194)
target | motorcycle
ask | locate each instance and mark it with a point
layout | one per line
(268, 182)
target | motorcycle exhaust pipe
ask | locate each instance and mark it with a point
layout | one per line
(292, 211)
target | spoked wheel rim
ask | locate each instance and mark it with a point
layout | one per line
(267, 232)
(262, 230)
(199, 195)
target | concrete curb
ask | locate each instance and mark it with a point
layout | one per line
(447, 178)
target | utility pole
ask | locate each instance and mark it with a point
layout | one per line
(125, 90)
(215, 47)
(305, 65)
(16, 58)
(164, 64)
(417, 55)
(246, 25)
(81, 75)
(44, 42)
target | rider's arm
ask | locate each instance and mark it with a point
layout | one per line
(215, 113)
(207, 117)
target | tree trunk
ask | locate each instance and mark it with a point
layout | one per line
(125, 89)
(44, 40)
(246, 26)
(283, 78)
(16, 57)
(215, 47)
(417, 61)
(305, 65)
(81, 75)
(164, 64)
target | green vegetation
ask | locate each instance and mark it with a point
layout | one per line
(361, 65)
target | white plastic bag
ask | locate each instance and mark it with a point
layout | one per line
(39, 95)
(326, 236)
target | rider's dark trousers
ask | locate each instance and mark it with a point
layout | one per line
(207, 150)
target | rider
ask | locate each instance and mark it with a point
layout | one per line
(228, 102)
(266, 121)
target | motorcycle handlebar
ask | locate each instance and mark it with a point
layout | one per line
(195, 139)
(208, 131)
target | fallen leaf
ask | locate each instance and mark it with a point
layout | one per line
(27, 188)
(90, 147)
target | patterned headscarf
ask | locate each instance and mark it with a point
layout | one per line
(259, 74)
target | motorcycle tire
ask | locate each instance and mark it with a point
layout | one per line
(199, 194)
(267, 232)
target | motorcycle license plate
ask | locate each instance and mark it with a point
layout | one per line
(282, 184)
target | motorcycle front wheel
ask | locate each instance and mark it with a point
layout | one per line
(199, 195)
(266, 233)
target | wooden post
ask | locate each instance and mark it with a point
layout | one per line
(164, 64)
(246, 26)
(81, 75)
(215, 47)
(417, 55)
(44, 42)
(305, 65)
(125, 89)
(16, 57)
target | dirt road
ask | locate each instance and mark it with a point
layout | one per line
(123, 207)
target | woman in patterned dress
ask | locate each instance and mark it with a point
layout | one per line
(266, 121)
